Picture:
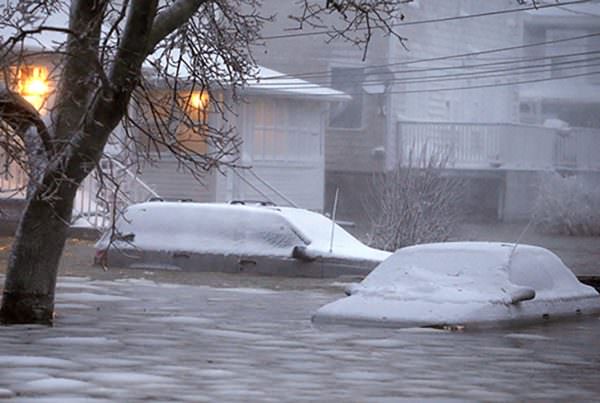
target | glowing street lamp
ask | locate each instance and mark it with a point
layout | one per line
(33, 85)
(199, 100)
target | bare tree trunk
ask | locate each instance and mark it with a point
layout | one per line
(33, 263)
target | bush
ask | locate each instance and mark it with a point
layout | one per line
(415, 203)
(567, 206)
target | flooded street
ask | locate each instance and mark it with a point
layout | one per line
(443, 154)
(133, 339)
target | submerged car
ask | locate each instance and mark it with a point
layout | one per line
(234, 238)
(464, 284)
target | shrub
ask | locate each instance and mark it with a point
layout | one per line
(567, 206)
(414, 203)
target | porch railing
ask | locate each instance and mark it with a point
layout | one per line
(13, 179)
(115, 187)
(500, 146)
(92, 206)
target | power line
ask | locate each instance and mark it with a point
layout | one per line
(487, 75)
(495, 84)
(468, 75)
(492, 85)
(433, 20)
(327, 73)
(480, 86)
(538, 69)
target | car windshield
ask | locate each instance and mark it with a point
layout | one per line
(318, 229)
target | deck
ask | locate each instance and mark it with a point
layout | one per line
(501, 146)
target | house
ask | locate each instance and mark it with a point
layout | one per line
(576, 101)
(280, 158)
(280, 121)
(451, 89)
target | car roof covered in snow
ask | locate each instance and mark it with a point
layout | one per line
(464, 271)
(218, 227)
(463, 283)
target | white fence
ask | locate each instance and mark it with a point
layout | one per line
(501, 146)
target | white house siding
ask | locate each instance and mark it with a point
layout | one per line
(170, 181)
(302, 184)
(347, 148)
(282, 153)
(442, 39)
(575, 101)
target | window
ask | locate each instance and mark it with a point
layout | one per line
(347, 115)
(286, 130)
(192, 135)
(270, 135)
(180, 123)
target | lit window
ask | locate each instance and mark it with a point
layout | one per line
(199, 101)
(181, 124)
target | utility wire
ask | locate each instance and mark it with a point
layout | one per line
(543, 69)
(465, 75)
(539, 69)
(505, 84)
(327, 73)
(470, 87)
(431, 21)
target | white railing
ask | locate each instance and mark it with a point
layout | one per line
(501, 146)
(254, 185)
(94, 201)
(13, 180)
(120, 187)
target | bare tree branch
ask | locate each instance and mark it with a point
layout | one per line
(19, 114)
(172, 18)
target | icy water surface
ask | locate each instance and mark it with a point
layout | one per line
(129, 340)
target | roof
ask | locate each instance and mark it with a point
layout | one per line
(267, 81)
(274, 82)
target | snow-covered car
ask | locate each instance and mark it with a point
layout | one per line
(464, 284)
(234, 238)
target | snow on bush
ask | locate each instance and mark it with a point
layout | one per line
(567, 206)
(415, 203)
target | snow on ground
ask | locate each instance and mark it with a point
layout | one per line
(464, 283)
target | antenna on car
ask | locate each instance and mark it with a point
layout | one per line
(333, 212)
(514, 248)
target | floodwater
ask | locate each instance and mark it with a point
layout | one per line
(136, 339)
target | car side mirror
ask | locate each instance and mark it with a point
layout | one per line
(352, 289)
(301, 253)
(522, 294)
